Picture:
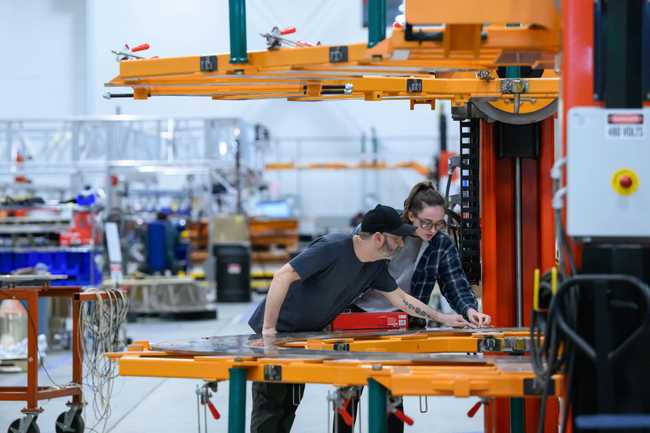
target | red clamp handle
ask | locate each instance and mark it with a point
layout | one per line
(403, 417)
(288, 31)
(472, 411)
(140, 47)
(213, 410)
(343, 412)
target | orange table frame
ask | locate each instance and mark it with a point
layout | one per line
(32, 393)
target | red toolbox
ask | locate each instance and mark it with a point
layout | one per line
(385, 320)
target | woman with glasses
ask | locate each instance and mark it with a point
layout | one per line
(429, 258)
(425, 260)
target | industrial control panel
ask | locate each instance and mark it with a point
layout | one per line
(608, 185)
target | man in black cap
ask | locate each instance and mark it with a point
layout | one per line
(307, 293)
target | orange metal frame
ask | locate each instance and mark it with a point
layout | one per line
(484, 377)
(410, 165)
(33, 393)
(543, 13)
(439, 342)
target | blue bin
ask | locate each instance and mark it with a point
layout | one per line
(6, 262)
(72, 268)
(78, 265)
(32, 258)
(44, 258)
(85, 271)
(58, 263)
(20, 261)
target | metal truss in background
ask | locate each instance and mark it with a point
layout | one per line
(229, 152)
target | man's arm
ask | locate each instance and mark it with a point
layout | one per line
(282, 279)
(414, 307)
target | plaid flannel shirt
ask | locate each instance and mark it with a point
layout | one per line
(440, 262)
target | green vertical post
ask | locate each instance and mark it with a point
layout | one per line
(237, 401)
(237, 11)
(377, 419)
(513, 72)
(517, 416)
(376, 22)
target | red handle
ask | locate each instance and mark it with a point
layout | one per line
(288, 31)
(343, 411)
(213, 410)
(140, 47)
(472, 411)
(403, 417)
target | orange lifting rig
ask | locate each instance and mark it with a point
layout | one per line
(457, 61)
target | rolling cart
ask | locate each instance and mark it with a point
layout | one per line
(28, 289)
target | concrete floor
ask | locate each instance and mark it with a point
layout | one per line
(169, 405)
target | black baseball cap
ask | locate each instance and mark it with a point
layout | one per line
(385, 219)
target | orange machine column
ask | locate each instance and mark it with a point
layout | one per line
(498, 247)
(497, 253)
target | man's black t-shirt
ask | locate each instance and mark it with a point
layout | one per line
(331, 278)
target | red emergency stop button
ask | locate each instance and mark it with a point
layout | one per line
(625, 181)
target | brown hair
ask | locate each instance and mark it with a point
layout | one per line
(422, 194)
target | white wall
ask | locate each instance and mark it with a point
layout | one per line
(43, 58)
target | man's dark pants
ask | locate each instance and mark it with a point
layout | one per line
(274, 406)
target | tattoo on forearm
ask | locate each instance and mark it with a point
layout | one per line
(417, 310)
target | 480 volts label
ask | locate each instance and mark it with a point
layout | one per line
(625, 125)
(625, 131)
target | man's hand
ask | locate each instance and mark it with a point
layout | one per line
(268, 339)
(269, 332)
(455, 321)
(478, 319)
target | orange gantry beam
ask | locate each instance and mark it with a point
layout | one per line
(396, 68)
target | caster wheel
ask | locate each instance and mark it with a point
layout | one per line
(77, 425)
(14, 427)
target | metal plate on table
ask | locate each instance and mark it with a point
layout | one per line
(253, 345)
